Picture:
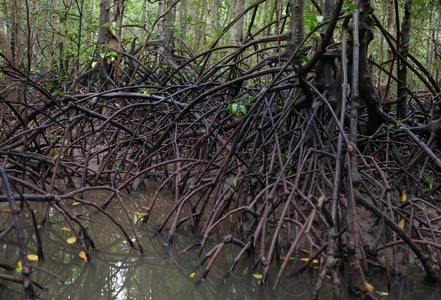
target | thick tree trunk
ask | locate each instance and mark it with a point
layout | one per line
(402, 69)
(296, 27)
(239, 6)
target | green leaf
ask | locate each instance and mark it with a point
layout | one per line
(388, 129)
(319, 18)
(398, 124)
(304, 58)
(243, 109)
(62, 19)
(93, 100)
(352, 6)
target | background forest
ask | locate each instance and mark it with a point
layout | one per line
(300, 124)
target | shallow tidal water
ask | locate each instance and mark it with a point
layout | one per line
(120, 272)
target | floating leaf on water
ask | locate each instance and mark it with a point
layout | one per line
(76, 203)
(382, 293)
(257, 276)
(32, 257)
(140, 214)
(83, 255)
(66, 229)
(401, 223)
(315, 261)
(369, 287)
(192, 275)
(403, 196)
(72, 240)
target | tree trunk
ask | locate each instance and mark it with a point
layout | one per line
(239, 6)
(11, 91)
(384, 86)
(402, 69)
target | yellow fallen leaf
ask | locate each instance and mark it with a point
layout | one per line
(5, 210)
(140, 214)
(314, 261)
(369, 287)
(83, 255)
(328, 276)
(284, 226)
(32, 257)
(72, 240)
(192, 275)
(401, 223)
(403, 196)
(145, 207)
(19, 264)
(94, 64)
(117, 105)
(76, 203)
(258, 276)
(66, 229)
(304, 250)
(382, 293)
(284, 257)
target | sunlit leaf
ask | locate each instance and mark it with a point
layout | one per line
(258, 276)
(83, 255)
(72, 240)
(19, 264)
(403, 196)
(314, 261)
(76, 203)
(32, 257)
(369, 287)
(94, 64)
(284, 257)
(401, 223)
(192, 275)
(382, 293)
(140, 214)
(66, 229)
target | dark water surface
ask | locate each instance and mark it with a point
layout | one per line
(119, 272)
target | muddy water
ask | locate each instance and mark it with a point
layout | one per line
(119, 272)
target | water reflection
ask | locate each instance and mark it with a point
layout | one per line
(119, 272)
